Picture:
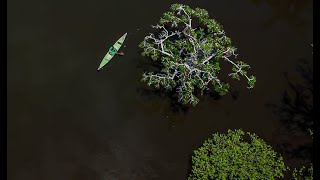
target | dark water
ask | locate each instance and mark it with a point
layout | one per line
(68, 122)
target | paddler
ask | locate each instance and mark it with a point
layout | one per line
(113, 51)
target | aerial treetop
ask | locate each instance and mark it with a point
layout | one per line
(190, 53)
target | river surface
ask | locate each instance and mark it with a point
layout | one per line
(67, 121)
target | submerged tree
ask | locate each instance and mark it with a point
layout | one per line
(228, 156)
(190, 54)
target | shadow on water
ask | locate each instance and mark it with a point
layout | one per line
(86, 173)
(295, 113)
(166, 102)
(296, 107)
(303, 152)
(175, 106)
(289, 11)
(148, 65)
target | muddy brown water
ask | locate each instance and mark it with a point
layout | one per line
(66, 121)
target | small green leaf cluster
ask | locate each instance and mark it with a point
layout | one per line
(252, 81)
(228, 156)
(223, 90)
(303, 173)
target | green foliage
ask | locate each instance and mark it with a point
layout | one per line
(228, 156)
(303, 173)
(252, 81)
(223, 89)
(191, 58)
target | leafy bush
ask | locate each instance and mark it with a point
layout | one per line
(228, 156)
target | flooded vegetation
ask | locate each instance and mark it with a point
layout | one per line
(67, 121)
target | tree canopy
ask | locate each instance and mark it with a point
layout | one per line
(228, 156)
(190, 54)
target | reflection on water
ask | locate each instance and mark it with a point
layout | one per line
(295, 113)
(289, 11)
(296, 108)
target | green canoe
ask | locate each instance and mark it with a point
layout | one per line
(112, 51)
